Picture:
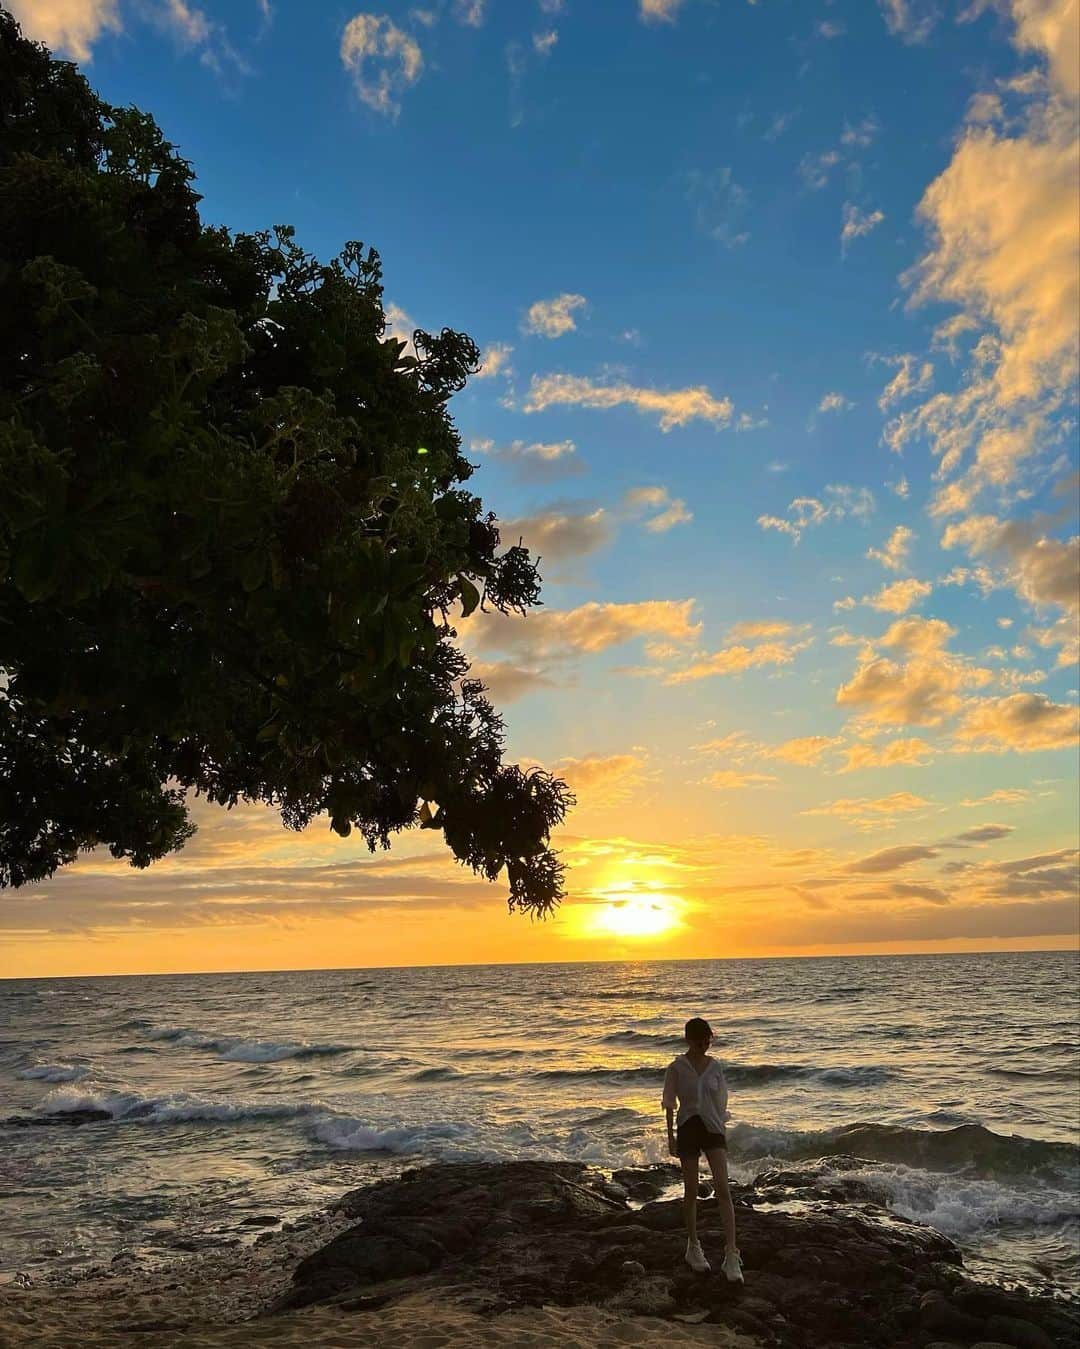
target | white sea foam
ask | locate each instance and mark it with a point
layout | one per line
(963, 1206)
(172, 1109)
(236, 1049)
(54, 1072)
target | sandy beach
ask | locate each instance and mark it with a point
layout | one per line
(118, 1313)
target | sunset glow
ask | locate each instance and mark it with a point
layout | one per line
(778, 379)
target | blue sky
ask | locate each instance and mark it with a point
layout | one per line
(834, 245)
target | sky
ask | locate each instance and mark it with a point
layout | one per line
(778, 311)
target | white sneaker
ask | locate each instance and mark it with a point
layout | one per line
(695, 1257)
(733, 1267)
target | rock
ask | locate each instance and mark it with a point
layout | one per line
(705, 1189)
(940, 1316)
(614, 1191)
(534, 1234)
(261, 1220)
(1022, 1334)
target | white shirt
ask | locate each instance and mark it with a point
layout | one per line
(703, 1094)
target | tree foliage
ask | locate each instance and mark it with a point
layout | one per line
(232, 530)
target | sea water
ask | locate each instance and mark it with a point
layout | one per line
(233, 1097)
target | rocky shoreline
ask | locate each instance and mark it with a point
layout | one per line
(556, 1254)
(826, 1269)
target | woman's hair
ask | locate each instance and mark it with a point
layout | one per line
(697, 1028)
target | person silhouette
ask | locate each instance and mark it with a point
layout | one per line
(695, 1083)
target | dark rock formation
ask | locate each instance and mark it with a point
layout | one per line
(836, 1274)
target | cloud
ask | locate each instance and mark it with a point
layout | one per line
(70, 26)
(861, 134)
(890, 859)
(471, 13)
(494, 360)
(984, 833)
(1041, 569)
(602, 779)
(658, 11)
(857, 223)
(860, 806)
(1004, 796)
(543, 42)
(921, 636)
(719, 205)
(767, 627)
(815, 169)
(894, 554)
(908, 753)
(731, 660)
(912, 376)
(675, 408)
(674, 508)
(910, 20)
(507, 681)
(899, 597)
(554, 317)
(805, 750)
(1003, 228)
(558, 635)
(560, 534)
(830, 28)
(382, 59)
(534, 461)
(725, 780)
(834, 402)
(925, 690)
(1021, 721)
(804, 513)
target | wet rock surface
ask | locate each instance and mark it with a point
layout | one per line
(839, 1272)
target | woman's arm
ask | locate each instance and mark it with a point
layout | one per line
(668, 1101)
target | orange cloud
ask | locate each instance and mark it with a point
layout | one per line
(1022, 721)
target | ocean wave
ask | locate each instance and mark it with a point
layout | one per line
(968, 1148)
(961, 1206)
(450, 1140)
(643, 1039)
(439, 1074)
(178, 1108)
(53, 1072)
(613, 1076)
(235, 1049)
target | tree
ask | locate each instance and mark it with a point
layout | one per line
(232, 530)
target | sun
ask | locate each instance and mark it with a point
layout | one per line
(642, 916)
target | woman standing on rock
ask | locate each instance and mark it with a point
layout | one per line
(696, 1082)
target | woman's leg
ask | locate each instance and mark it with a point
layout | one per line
(718, 1165)
(690, 1181)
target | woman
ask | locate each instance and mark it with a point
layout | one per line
(697, 1082)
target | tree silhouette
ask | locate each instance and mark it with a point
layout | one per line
(232, 531)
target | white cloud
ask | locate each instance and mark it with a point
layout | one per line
(675, 408)
(543, 42)
(674, 510)
(70, 26)
(719, 205)
(382, 59)
(861, 134)
(857, 223)
(470, 12)
(658, 11)
(910, 20)
(912, 376)
(553, 318)
(841, 500)
(494, 360)
(899, 597)
(894, 554)
(834, 402)
(815, 169)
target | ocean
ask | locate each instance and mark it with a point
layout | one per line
(235, 1098)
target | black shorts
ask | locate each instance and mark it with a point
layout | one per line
(692, 1138)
